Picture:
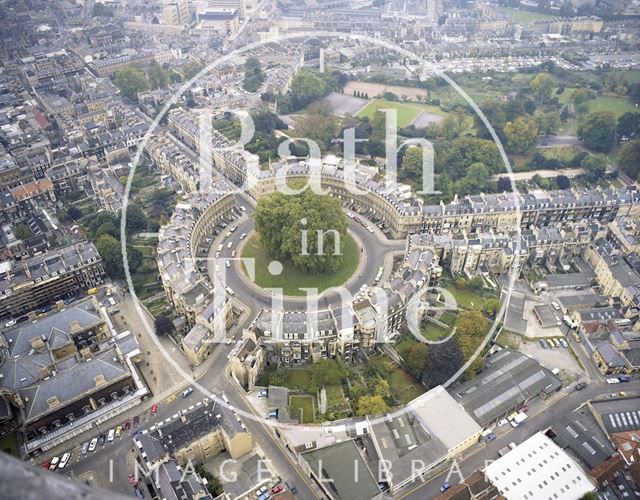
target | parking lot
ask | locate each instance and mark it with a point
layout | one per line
(561, 358)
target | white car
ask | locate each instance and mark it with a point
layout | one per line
(111, 435)
(350, 215)
(243, 236)
(370, 229)
(230, 244)
(10, 323)
(228, 264)
(613, 381)
(243, 208)
(54, 463)
(64, 460)
(93, 444)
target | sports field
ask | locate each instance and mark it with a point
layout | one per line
(407, 111)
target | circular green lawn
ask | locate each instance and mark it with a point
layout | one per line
(291, 279)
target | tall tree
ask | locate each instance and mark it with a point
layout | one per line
(542, 87)
(441, 362)
(598, 131)
(628, 159)
(521, 135)
(130, 81)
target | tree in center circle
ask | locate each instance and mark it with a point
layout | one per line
(306, 228)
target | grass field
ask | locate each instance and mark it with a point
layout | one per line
(335, 396)
(292, 279)
(407, 111)
(431, 331)
(298, 379)
(465, 297)
(523, 16)
(617, 105)
(302, 408)
(404, 387)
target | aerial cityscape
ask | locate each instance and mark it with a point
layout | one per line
(320, 249)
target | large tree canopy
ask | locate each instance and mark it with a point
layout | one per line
(598, 131)
(282, 220)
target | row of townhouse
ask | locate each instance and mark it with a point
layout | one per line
(393, 203)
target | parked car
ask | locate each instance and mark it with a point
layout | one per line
(291, 487)
(85, 448)
(563, 342)
(127, 425)
(102, 439)
(111, 435)
(613, 381)
(10, 323)
(445, 487)
(263, 394)
(54, 463)
(92, 444)
(154, 409)
(136, 421)
(543, 344)
(64, 460)
(277, 489)
(187, 392)
(118, 431)
(624, 378)
(580, 386)
(490, 437)
(243, 236)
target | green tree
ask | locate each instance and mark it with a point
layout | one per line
(163, 325)
(325, 372)
(629, 125)
(491, 306)
(456, 124)
(130, 81)
(414, 356)
(191, 69)
(318, 124)
(628, 159)
(253, 76)
(494, 111)
(548, 122)
(441, 362)
(382, 389)
(371, 405)
(598, 131)
(307, 87)
(459, 155)
(136, 218)
(595, 167)
(23, 232)
(74, 212)
(521, 135)
(542, 87)
(581, 96)
(157, 76)
(282, 220)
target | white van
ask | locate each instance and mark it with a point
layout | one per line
(613, 381)
(229, 291)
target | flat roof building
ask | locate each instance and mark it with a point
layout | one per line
(538, 468)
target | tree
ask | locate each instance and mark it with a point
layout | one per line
(382, 388)
(307, 87)
(214, 486)
(163, 325)
(23, 231)
(455, 124)
(318, 124)
(325, 372)
(191, 69)
(371, 405)
(491, 306)
(628, 159)
(563, 182)
(136, 218)
(581, 96)
(157, 76)
(74, 212)
(414, 356)
(595, 167)
(412, 163)
(542, 87)
(598, 131)
(130, 81)
(521, 135)
(495, 113)
(441, 362)
(548, 122)
(504, 184)
(456, 159)
(253, 76)
(282, 220)
(629, 125)
(476, 283)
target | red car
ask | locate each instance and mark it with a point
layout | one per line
(154, 409)
(132, 480)
(45, 465)
(277, 489)
(127, 425)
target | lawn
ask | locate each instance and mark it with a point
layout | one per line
(298, 379)
(302, 408)
(523, 16)
(8, 444)
(407, 111)
(617, 105)
(465, 297)
(404, 387)
(431, 331)
(335, 396)
(291, 279)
